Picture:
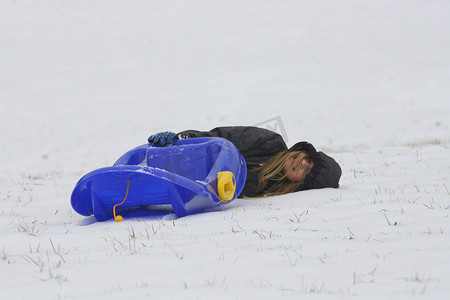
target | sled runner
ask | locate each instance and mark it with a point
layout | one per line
(191, 175)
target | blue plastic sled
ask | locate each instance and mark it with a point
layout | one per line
(191, 175)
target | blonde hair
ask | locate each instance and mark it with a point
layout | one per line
(273, 170)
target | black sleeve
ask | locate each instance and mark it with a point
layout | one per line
(256, 144)
(325, 173)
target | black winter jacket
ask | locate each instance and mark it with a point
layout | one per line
(257, 145)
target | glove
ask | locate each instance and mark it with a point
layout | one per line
(163, 139)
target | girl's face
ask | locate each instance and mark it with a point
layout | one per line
(296, 168)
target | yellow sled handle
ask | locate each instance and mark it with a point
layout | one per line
(226, 186)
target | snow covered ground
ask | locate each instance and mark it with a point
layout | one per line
(82, 82)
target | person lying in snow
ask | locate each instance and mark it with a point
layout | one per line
(272, 168)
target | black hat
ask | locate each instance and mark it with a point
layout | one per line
(308, 148)
(303, 146)
(326, 172)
